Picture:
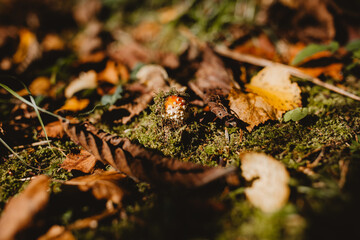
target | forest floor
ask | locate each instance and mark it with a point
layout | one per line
(195, 120)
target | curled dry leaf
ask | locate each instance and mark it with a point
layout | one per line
(251, 108)
(86, 80)
(103, 184)
(140, 163)
(20, 210)
(269, 190)
(274, 85)
(83, 161)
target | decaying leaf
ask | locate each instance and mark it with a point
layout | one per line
(212, 74)
(53, 130)
(212, 83)
(103, 184)
(140, 163)
(152, 79)
(251, 108)
(86, 80)
(21, 209)
(57, 232)
(83, 161)
(274, 85)
(269, 190)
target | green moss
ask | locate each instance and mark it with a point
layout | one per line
(14, 174)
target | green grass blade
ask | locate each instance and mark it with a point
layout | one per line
(29, 103)
(16, 155)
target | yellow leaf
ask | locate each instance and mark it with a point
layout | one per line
(269, 189)
(274, 85)
(251, 108)
(40, 86)
(27, 39)
(74, 104)
(109, 74)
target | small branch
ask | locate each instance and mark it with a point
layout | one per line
(224, 51)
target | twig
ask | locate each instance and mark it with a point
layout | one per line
(224, 51)
(33, 144)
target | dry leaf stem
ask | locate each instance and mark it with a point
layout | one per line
(224, 51)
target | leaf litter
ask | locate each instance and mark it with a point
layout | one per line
(154, 169)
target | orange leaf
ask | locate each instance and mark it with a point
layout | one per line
(83, 161)
(75, 104)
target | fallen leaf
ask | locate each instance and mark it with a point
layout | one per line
(21, 209)
(274, 85)
(74, 104)
(28, 50)
(82, 161)
(40, 86)
(213, 83)
(86, 80)
(53, 130)
(146, 31)
(269, 190)
(140, 163)
(52, 42)
(103, 184)
(85, 11)
(152, 79)
(212, 74)
(109, 74)
(333, 70)
(251, 108)
(88, 40)
(57, 232)
(306, 21)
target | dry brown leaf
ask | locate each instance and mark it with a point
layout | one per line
(57, 232)
(139, 162)
(274, 85)
(109, 74)
(212, 74)
(21, 209)
(146, 31)
(74, 104)
(269, 190)
(103, 184)
(152, 79)
(130, 53)
(251, 108)
(212, 83)
(52, 42)
(83, 161)
(53, 130)
(40, 86)
(86, 80)
(88, 40)
(85, 11)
